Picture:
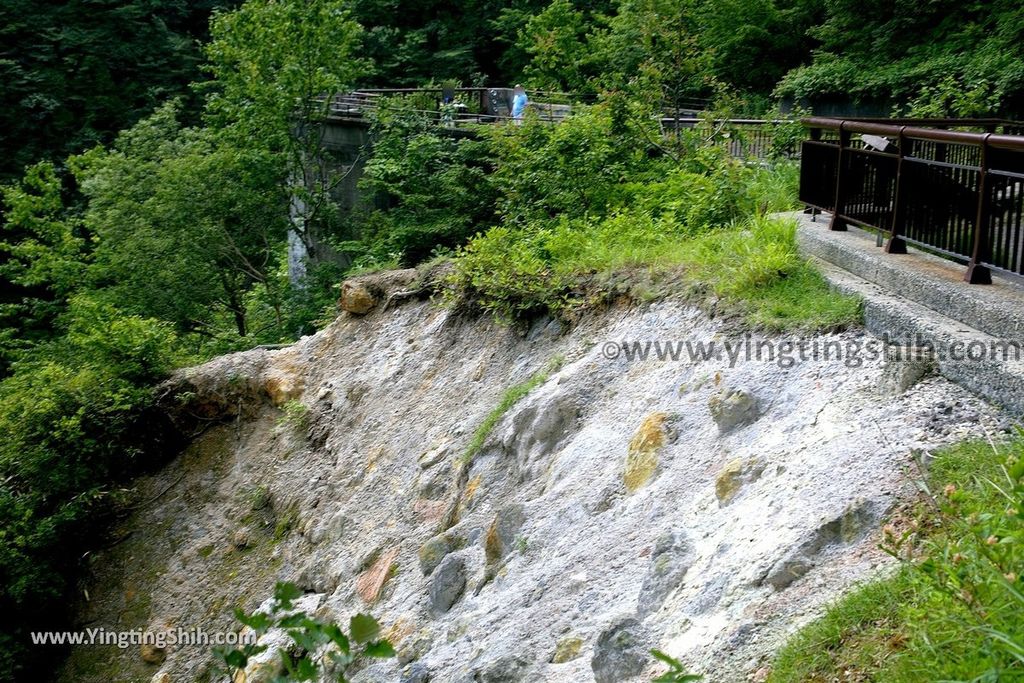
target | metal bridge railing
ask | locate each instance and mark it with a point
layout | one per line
(755, 138)
(952, 186)
(468, 105)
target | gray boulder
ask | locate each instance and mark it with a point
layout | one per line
(508, 669)
(415, 673)
(670, 560)
(619, 652)
(447, 584)
(732, 408)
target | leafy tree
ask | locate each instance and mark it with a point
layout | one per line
(77, 418)
(414, 42)
(183, 224)
(555, 40)
(433, 187)
(753, 43)
(573, 168)
(276, 65)
(43, 254)
(507, 30)
(948, 57)
(75, 73)
(649, 47)
(653, 46)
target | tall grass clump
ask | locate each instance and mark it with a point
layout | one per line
(756, 265)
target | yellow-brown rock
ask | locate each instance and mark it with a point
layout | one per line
(356, 298)
(642, 456)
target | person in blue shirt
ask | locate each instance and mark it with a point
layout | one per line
(519, 102)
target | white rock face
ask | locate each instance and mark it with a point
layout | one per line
(552, 544)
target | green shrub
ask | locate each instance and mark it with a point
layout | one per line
(78, 418)
(503, 273)
(695, 201)
(576, 168)
(431, 188)
(687, 222)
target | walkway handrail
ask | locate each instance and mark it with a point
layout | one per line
(494, 105)
(955, 192)
(920, 132)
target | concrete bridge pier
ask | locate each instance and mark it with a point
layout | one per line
(346, 142)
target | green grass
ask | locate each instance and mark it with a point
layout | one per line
(953, 610)
(757, 269)
(708, 234)
(512, 396)
(294, 415)
(754, 268)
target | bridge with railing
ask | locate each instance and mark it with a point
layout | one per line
(954, 187)
(457, 106)
(454, 106)
(461, 109)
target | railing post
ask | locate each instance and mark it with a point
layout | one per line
(978, 274)
(839, 205)
(896, 244)
(815, 135)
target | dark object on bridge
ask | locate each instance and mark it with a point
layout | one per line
(959, 193)
(499, 102)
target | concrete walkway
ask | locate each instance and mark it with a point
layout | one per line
(917, 299)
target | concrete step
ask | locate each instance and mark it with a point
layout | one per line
(985, 364)
(934, 282)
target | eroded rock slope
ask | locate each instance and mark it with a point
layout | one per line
(692, 506)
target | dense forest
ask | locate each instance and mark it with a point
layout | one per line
(151, 161)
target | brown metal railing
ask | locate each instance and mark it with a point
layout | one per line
(941, 184)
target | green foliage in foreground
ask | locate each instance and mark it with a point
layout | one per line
(676, 673)
(77, 417)
(954, 611)
(324, 649)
